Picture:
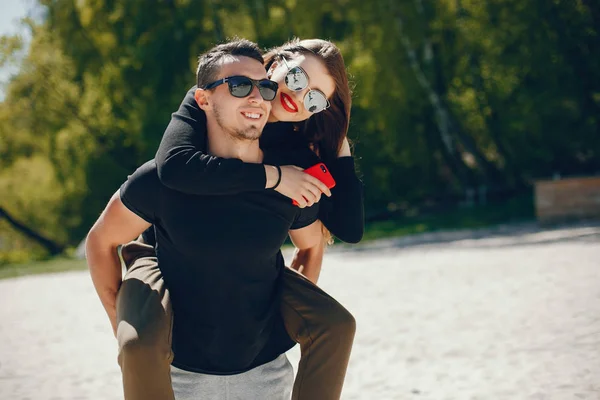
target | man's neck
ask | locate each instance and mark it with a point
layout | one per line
(222, 144)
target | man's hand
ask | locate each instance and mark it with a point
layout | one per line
(297, 185)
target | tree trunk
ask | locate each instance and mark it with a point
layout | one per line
(52, 247)
(455, 161)
(491, 123)
(489, 169)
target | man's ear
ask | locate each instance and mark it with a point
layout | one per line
(202, 97)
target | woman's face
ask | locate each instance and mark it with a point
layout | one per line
(288, 105)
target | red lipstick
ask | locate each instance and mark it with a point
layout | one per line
(286, 101)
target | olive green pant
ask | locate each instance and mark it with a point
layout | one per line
(322, 326)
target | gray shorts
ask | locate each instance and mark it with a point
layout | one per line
(273, 381)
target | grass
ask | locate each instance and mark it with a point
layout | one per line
(515, 210)
(59, 264)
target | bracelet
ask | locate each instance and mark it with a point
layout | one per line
(279, 178)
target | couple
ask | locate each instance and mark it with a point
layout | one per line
(215, 320)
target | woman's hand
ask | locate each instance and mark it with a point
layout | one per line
(297, 185)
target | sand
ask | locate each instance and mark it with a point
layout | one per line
(509, 313)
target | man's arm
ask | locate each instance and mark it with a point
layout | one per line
(310, 247)
(116, 225)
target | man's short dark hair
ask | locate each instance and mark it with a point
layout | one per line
(210, 62)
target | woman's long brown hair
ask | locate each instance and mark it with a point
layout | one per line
(326, 130)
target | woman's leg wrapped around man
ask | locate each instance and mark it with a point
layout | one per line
(325, 331)
(144, 325)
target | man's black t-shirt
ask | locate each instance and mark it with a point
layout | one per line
(221, 260)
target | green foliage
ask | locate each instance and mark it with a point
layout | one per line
(518, 209)
(448, 94)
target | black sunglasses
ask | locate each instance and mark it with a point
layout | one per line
(241, 86)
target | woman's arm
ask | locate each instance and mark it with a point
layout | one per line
(343, 213)
(183, 164)
(310, 247)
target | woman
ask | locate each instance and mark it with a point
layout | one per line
(314, 101)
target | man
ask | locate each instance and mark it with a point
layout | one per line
(219, 255)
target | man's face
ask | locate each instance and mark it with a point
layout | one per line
(242, 118)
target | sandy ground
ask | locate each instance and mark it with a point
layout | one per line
(510, 313)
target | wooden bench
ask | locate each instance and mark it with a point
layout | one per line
(567, 199)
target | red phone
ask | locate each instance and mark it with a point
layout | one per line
(320, 172)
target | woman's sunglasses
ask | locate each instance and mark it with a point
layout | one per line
(296, 79)
(241, 86)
